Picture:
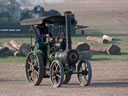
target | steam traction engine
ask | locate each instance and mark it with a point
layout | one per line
(56, 58)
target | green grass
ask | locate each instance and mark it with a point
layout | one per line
(20, 40)
(121, 41)
(12, 59)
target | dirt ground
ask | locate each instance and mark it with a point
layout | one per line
(102, 16)
(109, 79)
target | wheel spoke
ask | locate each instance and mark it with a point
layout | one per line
(38, 66)
(80, 69)
(58, 76)
(83, 66)
(56, 66)
(58, 69)
(30, 63)
(32, 76)
(86, 67)
(53, 70)
(85, 78)
(29, 70)
(36, 72)
(55, 81)
(35, 60)
(54, 77)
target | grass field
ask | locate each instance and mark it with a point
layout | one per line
(120, 41)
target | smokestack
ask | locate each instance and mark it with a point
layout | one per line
(68, 15)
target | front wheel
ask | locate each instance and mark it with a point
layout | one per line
(34, 68)
(56, 73)
(84, 72)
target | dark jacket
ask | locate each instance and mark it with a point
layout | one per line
(41, 34)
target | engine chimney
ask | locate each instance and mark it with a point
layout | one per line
(68, 15)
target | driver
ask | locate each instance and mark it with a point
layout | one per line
(42, 33)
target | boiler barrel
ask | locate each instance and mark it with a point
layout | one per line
(66, 57)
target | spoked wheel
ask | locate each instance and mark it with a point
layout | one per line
(84, 72)
(67, 77)
(34, 68)
(56, 73)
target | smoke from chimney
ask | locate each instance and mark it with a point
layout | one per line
(37, 2)
(29, 2)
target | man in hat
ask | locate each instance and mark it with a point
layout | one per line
(42, 33)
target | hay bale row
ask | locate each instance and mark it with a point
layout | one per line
(110, 49)
(14, 48)
(104, 39)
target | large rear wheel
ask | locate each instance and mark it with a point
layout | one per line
(34, 68)
(84, 72)
(56, 73)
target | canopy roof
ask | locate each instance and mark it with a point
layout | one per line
(32, 21)
(60, 20)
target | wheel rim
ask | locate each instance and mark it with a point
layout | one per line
(56, 74)
(32, 68)
(83, 78)
(85, 73)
